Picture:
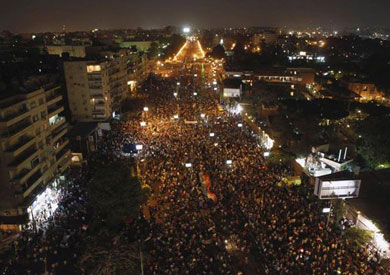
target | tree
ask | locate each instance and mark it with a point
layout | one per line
(358, 235)
(153, 51)
(218, 52)
(115, 195)
(374, 144)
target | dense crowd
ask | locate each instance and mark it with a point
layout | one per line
(256, 225)
(51, 244)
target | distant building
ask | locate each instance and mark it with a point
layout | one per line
(33, 151)
(232, 88)
(142, 46)
(96, 88)
(366, 91)
(73, 51)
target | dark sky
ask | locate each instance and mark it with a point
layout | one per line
(50, 15)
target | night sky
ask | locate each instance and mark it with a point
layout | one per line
(50, 15)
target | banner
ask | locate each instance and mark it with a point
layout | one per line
(206, 184)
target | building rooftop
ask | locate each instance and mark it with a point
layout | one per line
(83, 129)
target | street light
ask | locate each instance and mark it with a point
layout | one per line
(175, 116)
(202, 115)
(229, 162)
(188, 165)
(143, 123)
(239, 125)
(212, 134)
(175, 94)
(178, 83)
(146, 109)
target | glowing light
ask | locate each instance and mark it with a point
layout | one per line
(181, 49)
(326, 210)
(139, 147)
(176, 116)
(195, 94)
(212, 134)
(239, 125)
(186, 29)
(229, 162)
(146, 109)
(188, 165)
(175, 94)
(143, 123)
(202, 115)
(266, 154)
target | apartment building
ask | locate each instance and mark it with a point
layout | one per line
(96, 88)
(366, 91)
(33, 150)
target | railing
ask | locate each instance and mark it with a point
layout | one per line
(16, 128)
(52, 96)
(23, 141)
(14, 114)
(22, 157)
(57, 121)
(53, 109)
(32, 180)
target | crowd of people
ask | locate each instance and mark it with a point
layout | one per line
(254, 225)
(257, 225)
(51, 244)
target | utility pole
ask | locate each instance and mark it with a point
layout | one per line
(142, 258)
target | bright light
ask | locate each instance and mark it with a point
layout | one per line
(146, 109)
(202, 115)
(186, 29)
(212, 134)
(239, 108)
(229, 162)
(175, 94)
(188, 165)
(195, 94)
(178, 83)
(139, 147)
(143, 123)
(215, 144)
(266, 154)
(195, 75)
(176, 116)
(239, 125)
(326, 210)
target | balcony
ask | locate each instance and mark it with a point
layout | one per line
(12, 118)
(58, 133)
(17, 129)
(65, 163)
(26, 156)
(26, 173)
(54, 110)
(57, 122)
(60, 144)
(32, 183)
(23, 143)
(53, 98)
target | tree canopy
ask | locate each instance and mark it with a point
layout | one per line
(218, 52)
(374, 144)
(115, 195)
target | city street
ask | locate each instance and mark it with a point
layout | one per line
(217, 207)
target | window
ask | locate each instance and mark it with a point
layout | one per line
(35, 118)
(41, 101)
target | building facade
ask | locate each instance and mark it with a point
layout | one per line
(96, 89)
(33, 150)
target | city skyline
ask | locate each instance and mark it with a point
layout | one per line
(42, 16)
